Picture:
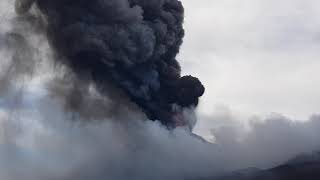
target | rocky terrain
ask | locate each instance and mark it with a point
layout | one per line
(304, 167)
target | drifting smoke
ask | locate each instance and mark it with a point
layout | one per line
(38, 138)
(46, 145)
(131, 44)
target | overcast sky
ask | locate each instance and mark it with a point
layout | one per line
(255, 56)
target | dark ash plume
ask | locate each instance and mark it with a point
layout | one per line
(131, 44)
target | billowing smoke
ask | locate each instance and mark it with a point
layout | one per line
(42, 85)
(44, 144)
(130, 44)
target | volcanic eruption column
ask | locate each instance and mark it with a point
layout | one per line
(131, 44)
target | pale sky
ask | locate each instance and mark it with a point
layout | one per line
(255, 56)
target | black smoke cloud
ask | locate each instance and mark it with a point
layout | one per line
(130, 44)
(39, 141)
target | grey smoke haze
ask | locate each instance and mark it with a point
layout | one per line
(41, 139)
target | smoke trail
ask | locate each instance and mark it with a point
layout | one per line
(130, 44)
